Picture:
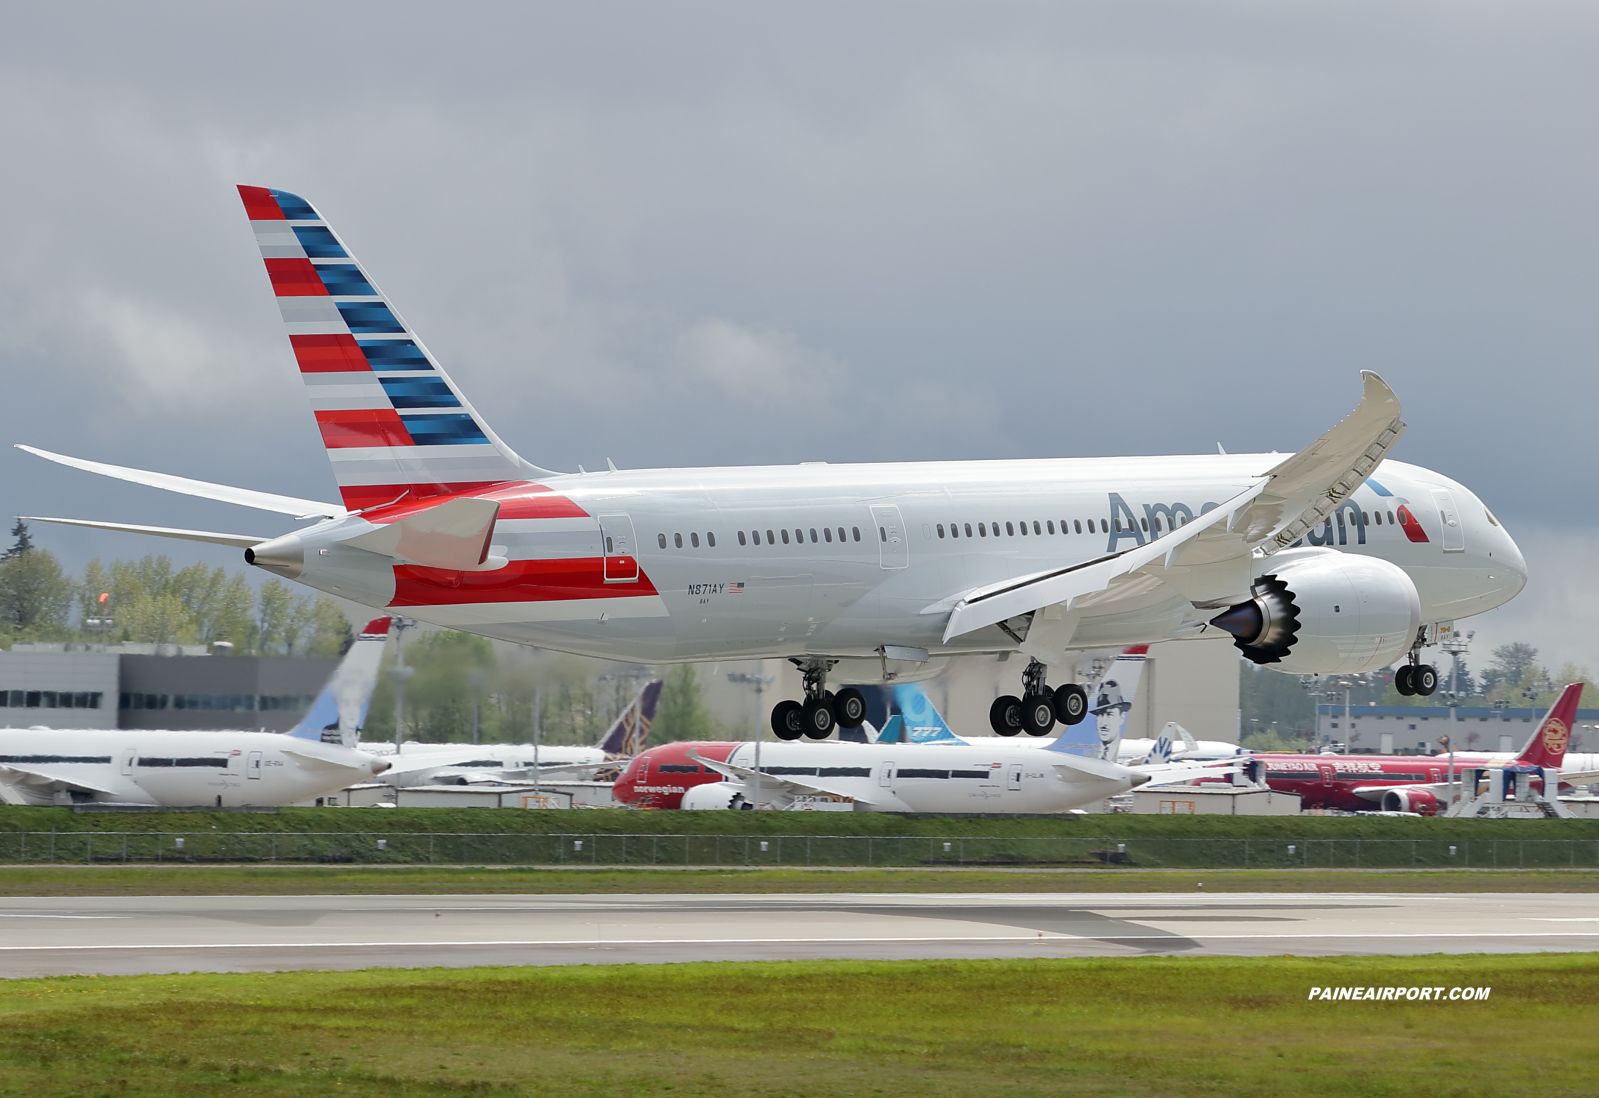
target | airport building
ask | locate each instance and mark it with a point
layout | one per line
(1414, 729)
(155, 686)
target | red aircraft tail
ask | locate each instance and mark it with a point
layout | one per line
(1548, 744)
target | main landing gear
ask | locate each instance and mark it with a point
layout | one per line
(1039, 707)
(1416, 679)
(821, 710)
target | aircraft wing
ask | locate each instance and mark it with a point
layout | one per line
(12, 774)
(1202, 558)
(1095, 768)
(244, 497)
(1175, 773)
(238, 541)
(787, 782)
(305, 760)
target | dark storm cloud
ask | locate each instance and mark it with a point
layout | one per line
(696, 234)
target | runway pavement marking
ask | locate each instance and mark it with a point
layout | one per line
(605, 942)
(6, 915)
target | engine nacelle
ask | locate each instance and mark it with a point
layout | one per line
(1418, 801)
(1322, 612)
(716, 795)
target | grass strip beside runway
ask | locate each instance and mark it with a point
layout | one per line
(1150, 1026)
(211, 880)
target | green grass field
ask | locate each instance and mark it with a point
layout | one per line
(1152, 1026)
(207, 880)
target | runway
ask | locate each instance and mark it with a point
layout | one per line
(125, 935)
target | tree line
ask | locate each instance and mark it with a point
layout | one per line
(150, 600)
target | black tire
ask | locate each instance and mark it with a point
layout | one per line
(788, 720)
(1403, 682)
(1071, 704)
(1038, 714)
(817, 718)
(1005, 715)
(1424, 680)
(849, 706)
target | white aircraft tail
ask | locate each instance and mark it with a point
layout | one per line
(340, 709)
(395, 426)
(1110, 702)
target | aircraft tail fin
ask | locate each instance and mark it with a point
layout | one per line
(395, 426)
(340, 709)
(1110, 702)
(628, 735)
(919, 719)
(1548, 744)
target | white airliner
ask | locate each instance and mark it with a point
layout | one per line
(188, 769)
(463, 764)
(942, 774)
(1331, 560)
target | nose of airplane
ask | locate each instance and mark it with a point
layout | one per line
(1506, 564)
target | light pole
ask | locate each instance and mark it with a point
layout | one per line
(104, 620)
(476, 678)
(401, 673)
(760, 681)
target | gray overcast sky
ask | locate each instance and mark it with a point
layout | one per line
(734, 233)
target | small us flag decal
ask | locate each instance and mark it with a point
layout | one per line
(735, 589)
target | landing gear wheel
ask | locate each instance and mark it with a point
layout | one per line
(788, 720)
(849, 706)
(1424, 679)
(817, 718)
(1404, 681)
(1038, 714)
(1071, 704)
(1005, 715)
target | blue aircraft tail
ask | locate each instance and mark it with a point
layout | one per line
(917, 720)
(340, 709)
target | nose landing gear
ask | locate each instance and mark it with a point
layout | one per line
(1039, 707)
(821, 711)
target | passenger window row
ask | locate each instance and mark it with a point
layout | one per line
(826, 534)
(1037, 528)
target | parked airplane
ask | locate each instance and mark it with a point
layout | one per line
(187, 769)
(1182, 745)
(1414, 783)
(465, 764)
(1331, 560)
(942, 775)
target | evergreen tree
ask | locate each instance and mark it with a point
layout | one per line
(22, 541)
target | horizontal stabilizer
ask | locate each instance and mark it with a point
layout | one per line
(454, 534)
(238, 541)
(244, 497)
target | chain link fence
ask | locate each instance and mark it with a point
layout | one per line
(365, 848)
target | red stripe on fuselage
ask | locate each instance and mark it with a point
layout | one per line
(348, 427)
(294, 278)
(259, 205)
(406, 498)
(329, 354)
(519, 581)
(518, 500)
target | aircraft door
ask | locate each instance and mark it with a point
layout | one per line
(885, 776)
(129, 756)
(1454, 536)
(893, 549)
(616, 531)
(252, 766)
(1013, 779)
(1327, 772)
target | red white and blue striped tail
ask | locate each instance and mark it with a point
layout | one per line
(394, 424)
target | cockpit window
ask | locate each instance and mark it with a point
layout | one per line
(1490, 515)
